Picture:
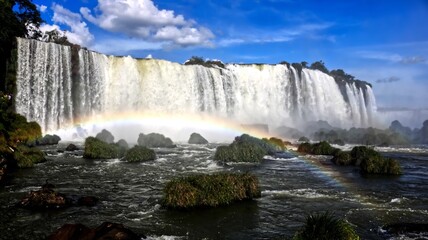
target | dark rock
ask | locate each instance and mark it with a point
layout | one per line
(107, 230)
(71, 147)
(45, 198)
(155, 140)
(105, 136)
(72, 232)
(123, 144)
(196, 138)
(111, 231)
(48, 140)
(88, 201)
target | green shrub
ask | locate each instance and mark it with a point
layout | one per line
(326, 227)
(380, 165)
(201, 191)
(139, 153)
(268, 147)
(360, 153)
(277, 142)
(343, 159)
(26, 157)
(97, 149)
(239, 152)
(321, 148)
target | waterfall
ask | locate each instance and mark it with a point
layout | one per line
(57, 86)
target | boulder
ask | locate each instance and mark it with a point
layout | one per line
(48, 140)
(154, 140)
(123, 144)
(196, 138)
(139, 154)
(45, 198)
(97, 149)
(205, 191)
(107, 230)
(239, 152)
(105, 136)
(71, 147)
(88, 201)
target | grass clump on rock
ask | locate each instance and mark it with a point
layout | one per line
(239, 152)
(324, 227)
(205, 191)
(321, 148)
(139, 154)
(97, 149)
(26, 157)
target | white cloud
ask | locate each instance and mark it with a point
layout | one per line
(121, 46)
(79, 33)
(391, 57)
(142, 19)
(149, 56)
(42, 8)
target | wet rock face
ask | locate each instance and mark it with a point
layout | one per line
(153, 140)
(45, 198)
(71, 147)
(107, 230)
(196, 138)
(105, 136)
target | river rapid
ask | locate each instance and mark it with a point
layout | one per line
(292, 187)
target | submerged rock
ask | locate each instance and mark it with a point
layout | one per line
(88, 201)
(45, 198)
(107, 230)
(196, 138)
(155, 140)
(71, 147)
(105, 136)
(400, 228)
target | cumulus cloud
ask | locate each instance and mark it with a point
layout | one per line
(142, 19)
(79, 33)
(388, 80)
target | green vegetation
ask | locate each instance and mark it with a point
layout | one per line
(202, 191)
(246, 148)
(152, 140)
(239, 152)
(277, 142)
(325, 227)
(369, 161)
(26, 157)
(97, 149)
(139, 154)
(321, 148)
(200, 61)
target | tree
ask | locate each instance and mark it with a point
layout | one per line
(319, 65)
(18, 18)
(304, 64)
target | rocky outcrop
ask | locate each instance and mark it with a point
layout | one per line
(71, 147)
(45, 198)
(154, 140)
(107, 230)
(196, 138)
(97, 149)
(105, 136)
(139, 154)
(48, 140)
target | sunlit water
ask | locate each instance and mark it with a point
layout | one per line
(292, 187)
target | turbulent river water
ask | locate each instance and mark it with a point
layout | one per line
(292, 186)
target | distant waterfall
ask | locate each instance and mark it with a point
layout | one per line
(55, 90)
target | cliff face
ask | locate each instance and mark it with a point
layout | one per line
(57, 85)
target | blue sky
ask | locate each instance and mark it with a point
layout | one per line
(382, 42)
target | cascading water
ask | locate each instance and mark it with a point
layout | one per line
(55, 91)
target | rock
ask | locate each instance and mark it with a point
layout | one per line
(321, 148)
(45, 198)
(269, 148)
(276, 142)
(154, 140)
(4, 169)
(304, 139)
(88, 201)
(107, 230)
(48, 140)
(203, 190)
(71, 147)
(196, 138)
(123, 144)
(139, 154)
(26, 157)
(97, 149)
(239, 152)
(105, 136)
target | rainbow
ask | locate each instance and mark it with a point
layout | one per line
(159, 122)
